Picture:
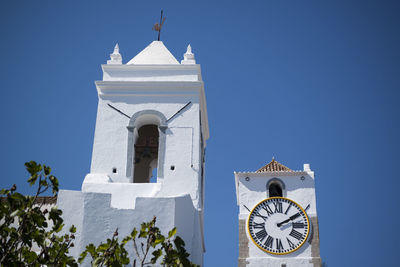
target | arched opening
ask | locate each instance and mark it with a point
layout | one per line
(275, 190)
(146, 154)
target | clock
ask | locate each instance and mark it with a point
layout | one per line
(278, 225)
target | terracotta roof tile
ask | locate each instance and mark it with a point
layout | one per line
(274, 166)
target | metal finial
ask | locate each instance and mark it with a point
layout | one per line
(157, 27)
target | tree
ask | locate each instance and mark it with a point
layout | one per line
(27, 239)
(25, 225)
(148, 239)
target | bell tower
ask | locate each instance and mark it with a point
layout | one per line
(148, 151)
(278, 223)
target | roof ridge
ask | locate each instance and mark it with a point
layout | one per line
(274, 166)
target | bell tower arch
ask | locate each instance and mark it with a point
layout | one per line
(146, 145)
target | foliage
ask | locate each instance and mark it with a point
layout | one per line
(30, 234)
(170, 251)
(24, 225)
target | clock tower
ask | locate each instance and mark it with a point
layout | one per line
(278, 223)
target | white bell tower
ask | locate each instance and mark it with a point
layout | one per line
(278, 223)
(148, 151)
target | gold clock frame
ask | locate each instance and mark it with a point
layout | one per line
(279, 253)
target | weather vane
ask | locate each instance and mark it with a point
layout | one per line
(157, 27)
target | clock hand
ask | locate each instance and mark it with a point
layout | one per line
(291, 218)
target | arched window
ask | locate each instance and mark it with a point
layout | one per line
(146, 147)
(146, 153)
(275, 188)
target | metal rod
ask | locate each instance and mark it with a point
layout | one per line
(114, 108)
(179, 111)
(159, 31)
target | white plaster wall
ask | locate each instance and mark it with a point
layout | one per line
(96, 220)
(182, 144)
(303, 262)
(123, 195)
(255, 190)
(251, 192)
(72, 205)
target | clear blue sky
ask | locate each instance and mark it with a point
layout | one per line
(305, 81)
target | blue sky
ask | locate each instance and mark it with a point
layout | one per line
(305, 81)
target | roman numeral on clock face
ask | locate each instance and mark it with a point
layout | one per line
(268, 209)
(298, 225)
(268, 243)
(291, 244)
(261, 234)
(296, 234)
(288, 209)
(279, 245)
(259, 215)
(258, 225)
(278, 206)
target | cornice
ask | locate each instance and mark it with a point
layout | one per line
(148, 88)
(271, 173)
(150, 67)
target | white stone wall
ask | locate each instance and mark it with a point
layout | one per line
(96, 220)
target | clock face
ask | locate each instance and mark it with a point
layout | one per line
(278, 225)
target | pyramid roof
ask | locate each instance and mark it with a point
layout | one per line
(154, 53)
(274, 166)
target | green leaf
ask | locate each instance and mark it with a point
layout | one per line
(172, 232)
(32, 167)
(54, 183)
(82, 256)
(58, 227)
(97, 261)
(143, 233)
(179, 243)
(72, 229)
(4, 191)
(103, 247)
(32, 179)
(46, 169)
(126, 240)
(134, 233)
(156, 254)
(43, 183)
(159, 240)
(29, 256)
